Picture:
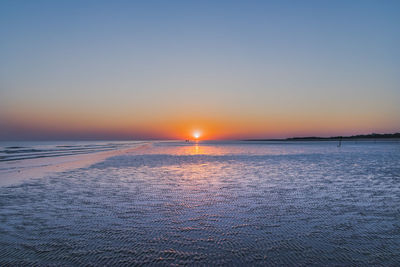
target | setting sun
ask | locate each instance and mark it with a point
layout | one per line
(196, 135)
(200, 132)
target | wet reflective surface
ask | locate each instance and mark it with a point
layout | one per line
(212, 203)
(15, 151)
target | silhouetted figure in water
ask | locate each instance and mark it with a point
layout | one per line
(340, 142)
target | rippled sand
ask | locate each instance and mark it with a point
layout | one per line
(220, 204)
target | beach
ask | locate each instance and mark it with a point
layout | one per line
(37, 159)
(211, 203)
(199, 133)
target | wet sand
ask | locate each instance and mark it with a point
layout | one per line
(12, 172)
(229, 204)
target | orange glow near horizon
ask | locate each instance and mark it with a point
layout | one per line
(226, 79)
(78, 124)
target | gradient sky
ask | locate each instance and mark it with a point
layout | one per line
(230, 69)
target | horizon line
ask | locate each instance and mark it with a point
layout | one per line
(293, 138)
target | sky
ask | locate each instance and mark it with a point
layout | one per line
(226, 69)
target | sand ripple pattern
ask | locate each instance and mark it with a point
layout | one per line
(242, 209)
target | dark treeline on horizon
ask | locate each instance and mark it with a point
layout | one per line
(352, 137)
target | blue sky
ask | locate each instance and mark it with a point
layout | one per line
(117, 69)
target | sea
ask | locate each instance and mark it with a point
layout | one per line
(14, 150)
(233, 203)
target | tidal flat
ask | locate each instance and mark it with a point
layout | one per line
(211, 203)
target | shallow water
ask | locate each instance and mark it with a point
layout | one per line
(297, 203)
(13, 151)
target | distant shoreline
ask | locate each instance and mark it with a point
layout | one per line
(374, 136)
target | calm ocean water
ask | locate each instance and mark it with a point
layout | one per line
(232, 203)
(11, 151)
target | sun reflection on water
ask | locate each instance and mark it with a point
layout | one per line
(233, 208)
